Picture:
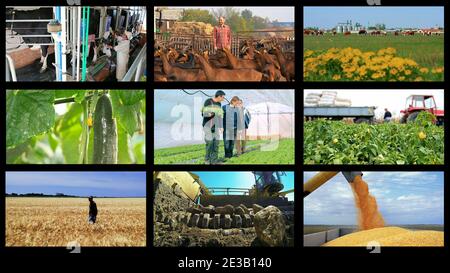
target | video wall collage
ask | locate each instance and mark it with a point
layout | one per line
(233, 128)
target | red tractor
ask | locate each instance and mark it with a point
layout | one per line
(418, 103)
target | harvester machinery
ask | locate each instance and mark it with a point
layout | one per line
(201, 208)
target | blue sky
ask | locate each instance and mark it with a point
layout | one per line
(393, 17)
(108, 184)
(241, 180)
(402, 197)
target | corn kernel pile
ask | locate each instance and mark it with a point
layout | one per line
(390, 236)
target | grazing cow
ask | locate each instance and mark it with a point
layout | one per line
(362, 32)
(429, 32)
(347, 33)
(318, 32)
(375, 33)
(396, 33)
(334, 32)
(307, 32)
(409, 33)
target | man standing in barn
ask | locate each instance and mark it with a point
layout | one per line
(92, 210)
(212, 126)
(222, 35)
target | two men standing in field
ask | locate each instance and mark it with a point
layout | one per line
(231, 120)
(92, 210)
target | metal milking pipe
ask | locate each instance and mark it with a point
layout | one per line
(78, 42)
(63, 43)
(73, 22)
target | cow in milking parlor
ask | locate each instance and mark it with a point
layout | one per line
(16, 30)
(31, 28)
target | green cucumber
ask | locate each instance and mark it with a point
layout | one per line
(105, 133)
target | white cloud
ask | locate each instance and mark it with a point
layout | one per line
(410, 197)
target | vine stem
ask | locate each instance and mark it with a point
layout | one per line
(72, 99)
(84, 135)
(67, 100)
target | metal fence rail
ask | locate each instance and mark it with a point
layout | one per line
(205, 42)
(10, 69)
(27, 20)
(228, 191)
(19, 21)
(138, 67)
(31, 35)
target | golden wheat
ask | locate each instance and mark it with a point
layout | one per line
(60, 221)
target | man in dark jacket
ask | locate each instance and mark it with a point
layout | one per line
(212, 126)
(387, 115)
(92, 210)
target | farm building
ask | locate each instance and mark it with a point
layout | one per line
(348, 26)
(164, 18)
(90, 43)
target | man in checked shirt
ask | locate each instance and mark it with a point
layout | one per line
(222, 35)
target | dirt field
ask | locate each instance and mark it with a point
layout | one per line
(58, 221)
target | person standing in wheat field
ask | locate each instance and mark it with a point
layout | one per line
(92, 211)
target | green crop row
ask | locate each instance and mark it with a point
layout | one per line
(258, 152)
(283, 154)
(334, 142)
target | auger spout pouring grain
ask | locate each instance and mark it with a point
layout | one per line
(371, 223)
(369, 216)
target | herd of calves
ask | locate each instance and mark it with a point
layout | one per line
(254, 65)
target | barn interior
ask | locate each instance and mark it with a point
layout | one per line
(62, 43)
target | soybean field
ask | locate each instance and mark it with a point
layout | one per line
(334, 142)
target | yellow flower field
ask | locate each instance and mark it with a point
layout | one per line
(352, 64)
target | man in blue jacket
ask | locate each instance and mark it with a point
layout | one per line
(230, 126)
(243, 122)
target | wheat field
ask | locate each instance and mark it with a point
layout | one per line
(39, 221)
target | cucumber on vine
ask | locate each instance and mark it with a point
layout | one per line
(105, 133)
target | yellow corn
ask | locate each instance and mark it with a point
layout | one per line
(390, 236)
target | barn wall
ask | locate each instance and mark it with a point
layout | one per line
(27, 56)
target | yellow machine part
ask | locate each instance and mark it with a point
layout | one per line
(316, 181)
(284, 193)
(189, 183)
